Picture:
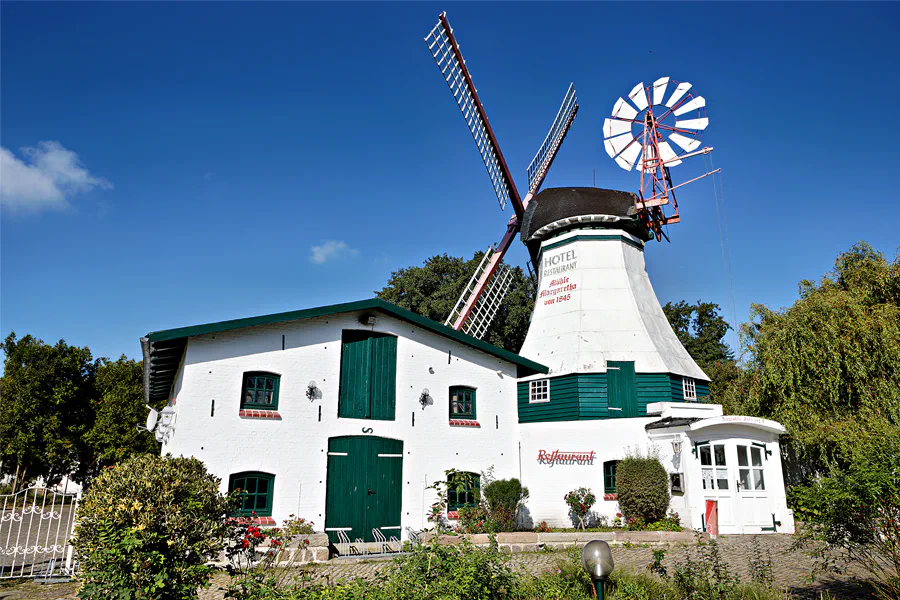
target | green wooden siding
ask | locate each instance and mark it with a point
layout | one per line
(368, 375)
(364, 486)
(585, 396)
(677, 387)
(702, 389)
(652, 387)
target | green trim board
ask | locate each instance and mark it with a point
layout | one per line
(256, 488)
(590, 238)
(585, 396)
(164, 349)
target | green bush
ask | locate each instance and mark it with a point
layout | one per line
(643, 488)
(503, 498)
(147, 527)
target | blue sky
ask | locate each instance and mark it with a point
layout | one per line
(173, 164)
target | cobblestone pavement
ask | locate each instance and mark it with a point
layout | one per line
(792, 570)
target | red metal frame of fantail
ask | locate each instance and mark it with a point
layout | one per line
(656, 188)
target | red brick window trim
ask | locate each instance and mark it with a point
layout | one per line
(253, 413)
(464, 423)
(253, 520)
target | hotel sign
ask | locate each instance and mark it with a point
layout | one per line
(565, 458)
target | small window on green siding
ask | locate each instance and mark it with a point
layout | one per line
(260, 390)
(463, 490)
(462, 402)
(255, 492)
(609, 476)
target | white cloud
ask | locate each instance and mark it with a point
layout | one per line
(330, 250)
(46, 178)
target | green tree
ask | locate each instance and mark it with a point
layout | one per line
(433, 289)
(44, 409)
(828, 367)
(118, 406)
(148, 527)
(701, 329)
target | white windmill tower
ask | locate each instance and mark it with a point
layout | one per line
(596, 318)
(485, 290)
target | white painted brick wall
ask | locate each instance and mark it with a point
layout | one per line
(294, 448)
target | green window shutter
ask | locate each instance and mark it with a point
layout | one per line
(256, 492)
(462, 402)
(260, 390)
(383, 395)
(621, 389)
(368, 387)
(609, 476)
(355, 372)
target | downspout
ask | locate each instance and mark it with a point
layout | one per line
(145, 350)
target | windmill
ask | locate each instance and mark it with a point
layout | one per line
(637, 136)
(483, 293)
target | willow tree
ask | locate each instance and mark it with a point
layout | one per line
(828, 367)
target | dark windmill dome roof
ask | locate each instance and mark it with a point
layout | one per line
(555, 205)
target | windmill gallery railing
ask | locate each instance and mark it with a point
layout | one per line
(35, 531)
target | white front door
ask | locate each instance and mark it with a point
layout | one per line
(734, 474)
(753, 497)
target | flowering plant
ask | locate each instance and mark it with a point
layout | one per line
(580, 502)
(542, 527)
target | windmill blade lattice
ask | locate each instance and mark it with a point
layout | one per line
(541, 162)
(447, 56)
(680, 119)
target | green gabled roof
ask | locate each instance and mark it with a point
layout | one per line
(163, 349)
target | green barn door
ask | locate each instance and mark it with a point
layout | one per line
(345, 487)
(385, 486)
(363, 488)
(383, 377)
(621, 386)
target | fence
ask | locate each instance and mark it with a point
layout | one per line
(35, 532)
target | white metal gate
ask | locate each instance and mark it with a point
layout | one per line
(35, 529)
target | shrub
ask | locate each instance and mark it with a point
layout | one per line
(580, 502)
(643, 488)
(147, 527)
(543, 527)
(295, 525)
(669, 523)
(473, 519)
(503, 498)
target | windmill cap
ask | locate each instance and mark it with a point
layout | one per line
(555, 210)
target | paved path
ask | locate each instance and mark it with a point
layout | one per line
(792, 569)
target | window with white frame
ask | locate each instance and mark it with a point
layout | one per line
(539, 391)
(690, 388)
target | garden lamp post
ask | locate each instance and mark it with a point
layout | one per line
(596, 557)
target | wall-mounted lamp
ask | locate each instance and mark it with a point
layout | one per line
(313, 392)
(425, 398)
(676, 446)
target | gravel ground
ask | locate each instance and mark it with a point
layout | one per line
(792, 570)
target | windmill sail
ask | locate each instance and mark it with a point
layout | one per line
(541, 162)
(483, 294)
(446, 54)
